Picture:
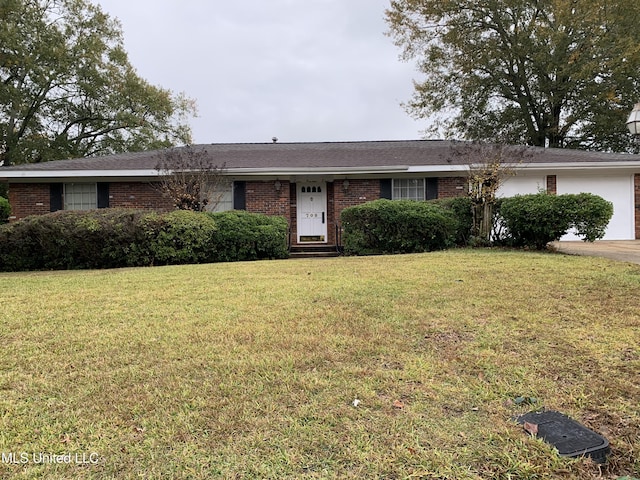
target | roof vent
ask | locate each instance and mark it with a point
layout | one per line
(274, 139)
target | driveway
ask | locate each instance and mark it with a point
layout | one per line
(622, 250)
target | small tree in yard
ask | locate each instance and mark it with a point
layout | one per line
(489, 165)
(190, 179)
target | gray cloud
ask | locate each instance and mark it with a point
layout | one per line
(301, 70)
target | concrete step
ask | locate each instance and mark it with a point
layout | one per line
(313, 251)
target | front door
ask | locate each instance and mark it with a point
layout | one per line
(312, 212)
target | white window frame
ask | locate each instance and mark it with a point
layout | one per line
(401, 189)
(80, 196)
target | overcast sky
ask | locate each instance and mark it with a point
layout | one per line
(299, 70)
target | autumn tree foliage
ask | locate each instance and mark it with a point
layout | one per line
(550, 73)
(67, 88)
(191, 179)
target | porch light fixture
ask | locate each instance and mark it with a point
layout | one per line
(633, 122)
(345, 185)
(278, 185)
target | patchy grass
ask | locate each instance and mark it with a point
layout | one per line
(250, 370)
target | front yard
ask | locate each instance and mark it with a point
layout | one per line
(358, 367)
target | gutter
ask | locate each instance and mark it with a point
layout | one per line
(270, 171)
(40, 174)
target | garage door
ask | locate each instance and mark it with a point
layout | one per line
(616, 189)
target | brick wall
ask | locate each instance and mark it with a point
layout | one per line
(263, 197)
(452, 187)
(35, 198)
(357, 192)
(137, 195)
(29, 199)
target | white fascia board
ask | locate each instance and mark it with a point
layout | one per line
(624, 165)
(635, 165)
(316, 171)
(43, 174)
(77, 173)
(437, 169)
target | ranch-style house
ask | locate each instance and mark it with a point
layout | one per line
(311, 183)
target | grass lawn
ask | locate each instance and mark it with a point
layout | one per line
(251, 370)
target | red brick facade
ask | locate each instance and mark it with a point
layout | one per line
(137, 195)
(451, 187)
(29, 199)
(268, 197)
(347, 193)
(35, 198)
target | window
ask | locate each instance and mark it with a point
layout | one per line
(408, 189)
(222, 198)
(80, 196)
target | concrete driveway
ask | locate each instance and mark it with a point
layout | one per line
(622, 250)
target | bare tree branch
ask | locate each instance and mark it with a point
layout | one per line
(190, 178)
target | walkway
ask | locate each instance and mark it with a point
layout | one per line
(622, 250)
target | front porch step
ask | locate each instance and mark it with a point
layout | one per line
(313, 251)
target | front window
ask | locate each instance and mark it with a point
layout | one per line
(408, 189)
(80, 196)
(221, 198)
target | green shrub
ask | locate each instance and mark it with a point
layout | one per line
(535, 220)
(105, 238)
(462, 209)
(71, 239)
(248, 236)
(178, 237)
(5, 210)
(110, 238)
(400, 226)
(591, 215)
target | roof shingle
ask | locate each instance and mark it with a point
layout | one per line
(314, 155)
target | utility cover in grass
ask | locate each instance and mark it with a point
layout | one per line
(568, 436)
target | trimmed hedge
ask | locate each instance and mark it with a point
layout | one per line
(249, 236)
(176, 238)
(397, 226)
(462, 210)
(63, 240)
(110, 238)
(535, 220)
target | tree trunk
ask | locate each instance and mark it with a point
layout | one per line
(487, 221)
(483, 221)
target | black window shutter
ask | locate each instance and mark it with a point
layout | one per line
(432, 188)
(55, 197)
(385, 188)
(103, 195)
(239, 195)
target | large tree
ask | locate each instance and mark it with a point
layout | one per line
(67, 88)
(558, 73)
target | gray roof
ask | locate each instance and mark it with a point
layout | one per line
(314, 155)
